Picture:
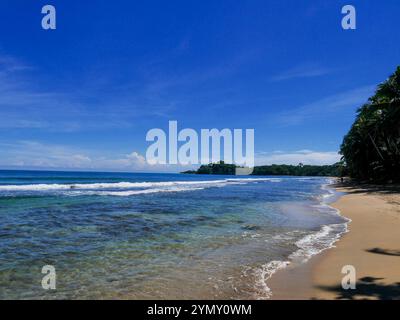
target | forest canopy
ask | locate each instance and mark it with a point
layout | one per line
(371, 149)
(334, 170)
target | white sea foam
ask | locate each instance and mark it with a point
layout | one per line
(329, 192)
(263, 274)
(308, 246)
(317, 242)
(94, 186)
(255, 179)
(130, 185)
(134, 192)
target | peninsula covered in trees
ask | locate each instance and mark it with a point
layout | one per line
(335, 170)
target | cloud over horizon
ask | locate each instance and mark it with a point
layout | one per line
(295, 157)
(36, 155)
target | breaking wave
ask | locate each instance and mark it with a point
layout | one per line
(131, 188)
(308, 246)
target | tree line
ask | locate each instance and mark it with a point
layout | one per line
(334, 170)
(371, 149)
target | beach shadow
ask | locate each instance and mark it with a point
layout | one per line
(355, 187)
(384, 251)
(367, 288)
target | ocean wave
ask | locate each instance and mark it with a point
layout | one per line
(317, 242)
(129, 185)
(263, 274)
(256, 179)
(132, 192)
(329, 192)
(93, 186)
(149, 187)
(308, 246)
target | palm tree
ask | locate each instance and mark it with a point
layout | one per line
(371, 149)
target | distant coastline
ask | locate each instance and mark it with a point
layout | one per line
(221, 168)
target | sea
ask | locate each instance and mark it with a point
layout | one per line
(158, 236)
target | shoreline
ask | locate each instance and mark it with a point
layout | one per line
(371, 245)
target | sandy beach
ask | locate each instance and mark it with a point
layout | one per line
(372, 246)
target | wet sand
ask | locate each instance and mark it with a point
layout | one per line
(372, 246)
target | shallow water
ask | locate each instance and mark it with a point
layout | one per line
(119, 235)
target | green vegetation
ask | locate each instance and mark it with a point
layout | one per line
(371, 149)
(335, 170)
(215, 168)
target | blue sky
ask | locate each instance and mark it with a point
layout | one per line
(83, 96)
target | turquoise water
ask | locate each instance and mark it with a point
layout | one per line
(140, 236)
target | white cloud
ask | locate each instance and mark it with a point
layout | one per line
(296, 157)
(309, 70)
(132, 161)
(36, 155)
(136, 157)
